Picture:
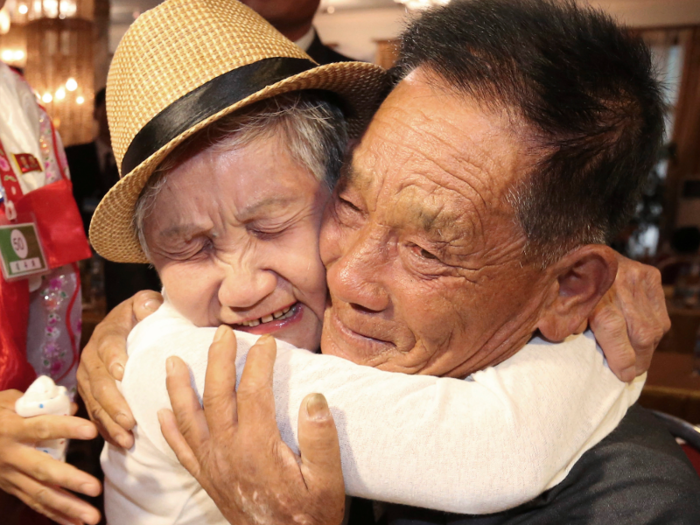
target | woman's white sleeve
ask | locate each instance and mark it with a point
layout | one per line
(490, 442)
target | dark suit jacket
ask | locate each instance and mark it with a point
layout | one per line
(324, 54)
(84, 173)
(637, 475)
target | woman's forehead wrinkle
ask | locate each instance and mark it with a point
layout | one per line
(174, 215)
(180, 231)
(268, 204)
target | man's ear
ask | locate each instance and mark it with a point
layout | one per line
(581, 279)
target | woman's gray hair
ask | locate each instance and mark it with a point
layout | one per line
(315, 129)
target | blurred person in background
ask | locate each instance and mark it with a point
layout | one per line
(92, 165)
(40, 313)
(685, 243)
(680, 271)
(294, 19)
(94, 171)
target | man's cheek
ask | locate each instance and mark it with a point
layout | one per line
(438, 310)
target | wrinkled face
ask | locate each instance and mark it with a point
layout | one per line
(234, 237)
(422, 252)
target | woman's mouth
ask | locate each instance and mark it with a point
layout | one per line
(273, 321)
(284, 313)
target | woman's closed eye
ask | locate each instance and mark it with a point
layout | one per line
(190, 249)
(267, 232)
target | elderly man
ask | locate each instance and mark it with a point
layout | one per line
(471, 217)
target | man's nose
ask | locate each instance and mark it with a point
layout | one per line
(356, 277)
(244, 287)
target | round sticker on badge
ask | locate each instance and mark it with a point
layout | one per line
(19, 243)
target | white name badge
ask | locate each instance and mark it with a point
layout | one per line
(20, 251)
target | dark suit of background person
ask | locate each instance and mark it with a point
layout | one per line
(93, 172)
(294, 19)
(323, 54)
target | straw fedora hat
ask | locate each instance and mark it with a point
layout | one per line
(187, 63)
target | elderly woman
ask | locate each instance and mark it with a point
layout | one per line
(226, 170)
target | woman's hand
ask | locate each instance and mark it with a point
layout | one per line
(35, 477)
(631, 319)
(102, 364)
(232, 445)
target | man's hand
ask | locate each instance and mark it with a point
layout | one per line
(232, 445)
(102, 364)
(35, 477)
(631, 319)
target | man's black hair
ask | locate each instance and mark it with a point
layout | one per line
(583, 86)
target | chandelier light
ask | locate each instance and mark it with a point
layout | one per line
(59, 61)
(4, 21)
(21, 11)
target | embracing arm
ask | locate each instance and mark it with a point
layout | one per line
(631, 319)
(468, 446)
(102, 363)
(628, 324)
(318, 430)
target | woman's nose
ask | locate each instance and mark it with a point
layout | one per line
(246, 287)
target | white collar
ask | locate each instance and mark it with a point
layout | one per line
(305, 41)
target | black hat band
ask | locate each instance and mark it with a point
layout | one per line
(208, 99)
